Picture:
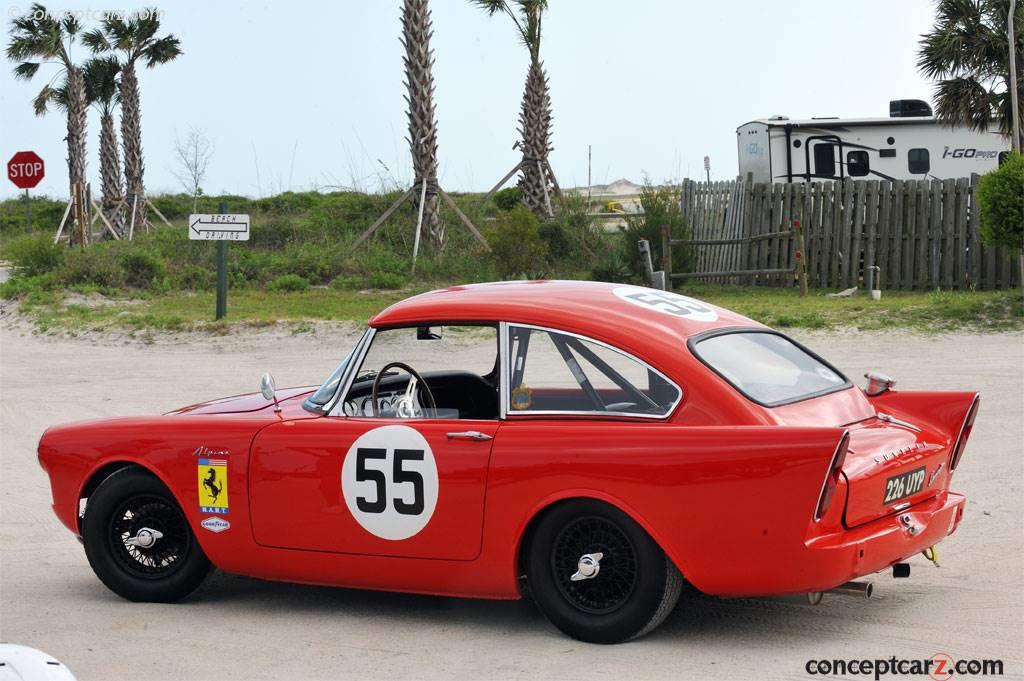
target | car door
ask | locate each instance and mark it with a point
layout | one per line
(364, 480)
(392, 487)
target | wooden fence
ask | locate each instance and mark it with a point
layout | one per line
(921, 234)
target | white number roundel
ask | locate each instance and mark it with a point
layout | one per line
(667, 303)
(389, 480)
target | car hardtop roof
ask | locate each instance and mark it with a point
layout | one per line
(615, 313)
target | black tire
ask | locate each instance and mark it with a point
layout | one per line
(636, 585)
(172, 567)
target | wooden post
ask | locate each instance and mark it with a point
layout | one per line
(502, 181)
(666, 257)
(644, 249)
(63, 220)
(465, 220)
(380, 221)
(419, 224)
(801, 257)
(99, 213)
(159, 214)
(131, 225)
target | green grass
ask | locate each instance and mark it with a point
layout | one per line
(923, 311)
(90, 309)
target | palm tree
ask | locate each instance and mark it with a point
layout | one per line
(39, 38)
(135, 39)
(419, 80)
(101, 89)
(535, 181)
(967, 51)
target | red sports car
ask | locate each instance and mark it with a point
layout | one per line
(591, 444)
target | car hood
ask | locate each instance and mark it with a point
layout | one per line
(250, 402)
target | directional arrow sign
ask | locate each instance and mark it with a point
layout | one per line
(219, 227)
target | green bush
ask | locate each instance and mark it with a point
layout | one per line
(97, 265)
(142, 269)
(517, 248)
(508, 198)
(32, 255)
(387, 280)
(288, 282)
(1001, 204)
(661, 209)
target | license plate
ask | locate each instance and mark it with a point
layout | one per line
(903, 485)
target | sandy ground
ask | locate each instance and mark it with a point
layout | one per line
(237, 628)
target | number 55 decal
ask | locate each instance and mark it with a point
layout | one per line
(389, 480)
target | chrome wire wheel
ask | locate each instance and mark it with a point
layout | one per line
(148, 536)
(594, 565)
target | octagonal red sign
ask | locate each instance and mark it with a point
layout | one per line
(25, 169)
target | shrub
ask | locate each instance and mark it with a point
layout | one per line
(142, 269)
(387, 280)
(1001, 204)
(508, 198)
(288, 282)
(97, 265)
(33, 255)
(661, 209)
(347, 283)
(516, 245)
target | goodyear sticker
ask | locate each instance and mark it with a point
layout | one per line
(213, 486)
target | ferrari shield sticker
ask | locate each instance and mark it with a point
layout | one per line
(213, 486)
(389, 481)
(667, 303)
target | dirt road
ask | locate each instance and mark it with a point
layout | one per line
(236, 628)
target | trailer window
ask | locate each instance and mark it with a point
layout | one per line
(918, 161)
(824, 160)
(857, 163)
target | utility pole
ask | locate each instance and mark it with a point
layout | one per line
(1014, 104)
(589, 182)
(707, 168)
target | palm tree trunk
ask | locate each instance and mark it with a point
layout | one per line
(76, 150)
(535, 128)
(110, 174)
(131, 139)
(419, 80)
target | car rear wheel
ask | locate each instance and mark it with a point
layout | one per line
(139, 542)
(598, 576)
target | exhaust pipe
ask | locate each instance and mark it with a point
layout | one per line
(858, 589)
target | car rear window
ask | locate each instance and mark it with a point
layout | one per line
(767, 367)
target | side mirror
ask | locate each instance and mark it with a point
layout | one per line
(878, 383)
(269, 390)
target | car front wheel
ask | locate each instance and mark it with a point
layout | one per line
(138, 540)
(597, 575)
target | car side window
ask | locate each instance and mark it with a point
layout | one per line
(554, 372)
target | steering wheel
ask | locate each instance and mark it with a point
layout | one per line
(405, 402)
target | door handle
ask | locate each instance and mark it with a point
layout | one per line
(474, 435)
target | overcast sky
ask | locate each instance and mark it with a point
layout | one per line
(309, 95)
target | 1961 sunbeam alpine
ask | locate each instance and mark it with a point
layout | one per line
(591, 444)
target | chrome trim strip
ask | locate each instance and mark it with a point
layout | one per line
(889, 418)
(358, 354)
(659, 417)
(831, 462)
(959, 435)
(503, 360)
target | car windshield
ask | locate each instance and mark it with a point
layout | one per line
(325, 392)
(768, 367)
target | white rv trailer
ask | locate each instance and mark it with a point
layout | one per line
(909, 145)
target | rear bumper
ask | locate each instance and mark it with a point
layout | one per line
(848, 554)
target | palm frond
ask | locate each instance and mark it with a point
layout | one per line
(161, 51)
(96, 41)
(101, 81)
(57, 96)
(26, 70)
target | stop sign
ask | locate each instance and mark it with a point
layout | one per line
(25, 169)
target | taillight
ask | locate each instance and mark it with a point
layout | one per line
(965, 432)
(828, 488)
